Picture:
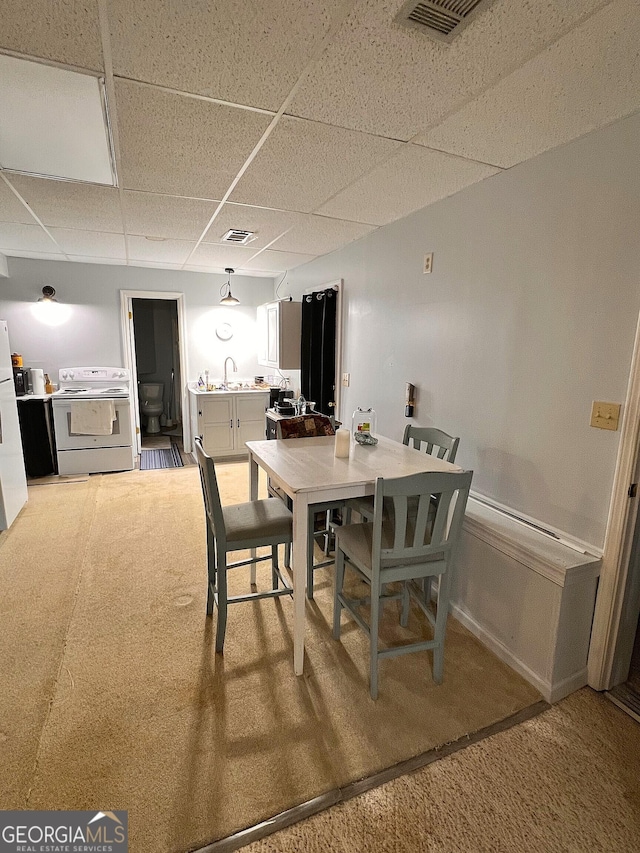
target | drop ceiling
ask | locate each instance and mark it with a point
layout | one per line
(310, 123)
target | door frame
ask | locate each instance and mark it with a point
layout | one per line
(129, 356)
(338, 286)
(616, 557)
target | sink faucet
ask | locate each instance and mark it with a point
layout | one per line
(235, 369)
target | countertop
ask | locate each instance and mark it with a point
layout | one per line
(27, 397)
(219, 391)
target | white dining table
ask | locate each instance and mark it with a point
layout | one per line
(308, 471)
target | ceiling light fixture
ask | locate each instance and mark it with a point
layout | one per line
(48, 294)
(228, 298)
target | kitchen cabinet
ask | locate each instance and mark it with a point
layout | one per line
(226, 420)
(280, 335)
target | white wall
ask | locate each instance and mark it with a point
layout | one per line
(529, 315)
(91, 335)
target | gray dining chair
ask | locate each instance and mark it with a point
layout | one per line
(433, 441)
(301, 427)
(399, 547)
(237, 527)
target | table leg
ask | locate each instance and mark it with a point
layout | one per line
(300, 533)
(253, 495)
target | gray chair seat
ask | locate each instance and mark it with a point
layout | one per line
(256, 520)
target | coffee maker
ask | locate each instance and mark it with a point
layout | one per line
(20, 381)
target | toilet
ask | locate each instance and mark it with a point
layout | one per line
(151, 404)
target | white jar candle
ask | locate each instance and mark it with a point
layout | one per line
(342, 443)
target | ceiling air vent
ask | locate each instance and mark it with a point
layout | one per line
(237, 235)
(441, 19)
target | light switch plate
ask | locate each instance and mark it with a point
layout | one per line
(428, 263)
(605, 415)
(346, 378)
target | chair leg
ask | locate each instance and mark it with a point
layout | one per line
(211, 571)
(442, 611)
(404, 616)
(274, 567)
(287, 555)
(327, 535)
(222, 601)
(373, 639)
(310, 549)
(337, 607)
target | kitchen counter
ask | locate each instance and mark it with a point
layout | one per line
(229, 391)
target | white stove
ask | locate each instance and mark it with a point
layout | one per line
(88, 451)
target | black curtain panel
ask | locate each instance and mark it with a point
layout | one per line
(318, 364)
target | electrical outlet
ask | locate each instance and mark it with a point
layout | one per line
(346, 378)
(428, 263)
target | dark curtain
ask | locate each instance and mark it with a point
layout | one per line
(318, 364)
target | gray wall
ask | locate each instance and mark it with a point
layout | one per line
(529, 315)
(91, 333)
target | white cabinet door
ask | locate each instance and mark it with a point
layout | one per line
(279, 335)
(216, 424)
(250, 419)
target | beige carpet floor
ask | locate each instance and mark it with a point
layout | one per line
(566, 781)
(113, 698)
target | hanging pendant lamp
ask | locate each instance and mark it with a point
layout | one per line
(228, 298)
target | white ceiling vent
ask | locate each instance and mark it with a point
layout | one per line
(237, 235)
(441, 19)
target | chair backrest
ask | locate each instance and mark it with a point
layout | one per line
(210, 491)
(305, 426)
(417, 534)
(437, 443)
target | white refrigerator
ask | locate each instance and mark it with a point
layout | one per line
(13, 480)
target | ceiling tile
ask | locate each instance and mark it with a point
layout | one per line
(303, 163)
(171, 251)
(11, 208)
(247, 53)
(65, 31)
(558, 96)
(266, 224)
(179, 145)
(89, 243)
(67, 204)
(25, 238)
(221, 256)
(413, 178)
(153, 215)
(380, 77)
(318, 235)
(271, 261)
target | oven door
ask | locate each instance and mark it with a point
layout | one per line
(67, 440)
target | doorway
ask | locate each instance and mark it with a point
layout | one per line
(154, 351)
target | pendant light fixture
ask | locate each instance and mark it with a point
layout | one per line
(228, 298)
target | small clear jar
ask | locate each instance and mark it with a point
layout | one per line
(363, 421)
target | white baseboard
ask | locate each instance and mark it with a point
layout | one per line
(502, 652)
(551, 692)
